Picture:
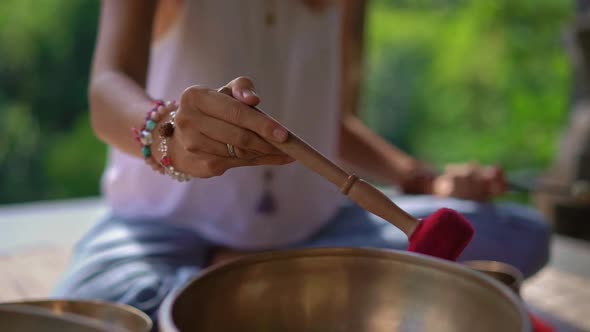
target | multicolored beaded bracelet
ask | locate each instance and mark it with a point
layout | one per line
(166, 132)
(145, 137)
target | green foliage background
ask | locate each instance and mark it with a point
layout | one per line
(446, 80)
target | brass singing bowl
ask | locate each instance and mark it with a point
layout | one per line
(24, 319)
(342, 289)
(110, 315)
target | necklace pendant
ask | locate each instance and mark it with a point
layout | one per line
(267, 204)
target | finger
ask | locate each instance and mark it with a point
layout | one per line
(498, 173)
(203, 143)
(242, 88)
(236, 152)
(465, 186)
(227, 109)
(454, 169)
(480, 190)
(496, 181)
(463, 170)
(462, 186)
(470, 170)
(206, 166)
(271, 160)
(241, 138)
(442, 186)
(226, 91)
(501, 177)
(192, 138)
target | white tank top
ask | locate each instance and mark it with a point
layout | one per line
(295, 64)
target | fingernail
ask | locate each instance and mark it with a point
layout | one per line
(249, 93)
(280, 134)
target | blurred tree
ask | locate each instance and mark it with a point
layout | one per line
(469, 80)
(44, 68)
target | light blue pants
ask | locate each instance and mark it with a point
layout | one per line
(139, 262)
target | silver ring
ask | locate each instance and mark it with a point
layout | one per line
(231, 151)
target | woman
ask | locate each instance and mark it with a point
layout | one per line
(161, 232)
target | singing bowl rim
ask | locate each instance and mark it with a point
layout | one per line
(121, 307)
(166, 321)
(76, 320)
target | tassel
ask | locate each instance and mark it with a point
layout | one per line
(267, 203)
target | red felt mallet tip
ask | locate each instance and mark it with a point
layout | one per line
(444, 234)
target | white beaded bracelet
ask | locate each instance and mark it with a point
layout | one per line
(166, 131)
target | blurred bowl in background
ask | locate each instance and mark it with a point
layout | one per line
(111, 316)
(20, 318)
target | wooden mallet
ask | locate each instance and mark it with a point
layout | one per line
(444, 234)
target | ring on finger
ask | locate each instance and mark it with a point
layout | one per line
(231, 151)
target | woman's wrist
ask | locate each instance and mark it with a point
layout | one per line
(145, 134)
(416, 177)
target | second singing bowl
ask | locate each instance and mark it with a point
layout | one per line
(27, 319)
(333, 289)
(109, 315)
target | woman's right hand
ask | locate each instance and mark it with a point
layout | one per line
(208, 120)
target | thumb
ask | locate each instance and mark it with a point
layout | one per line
(242, 89)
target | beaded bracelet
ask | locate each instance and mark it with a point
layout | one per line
(166, 132)
(145, 138)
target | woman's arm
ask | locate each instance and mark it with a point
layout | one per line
(361, 148)
(372, 156)
(351, 40)
(207, 120)
(117, 96)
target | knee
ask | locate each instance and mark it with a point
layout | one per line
(539, 245)
(144, 293)
(533, 234)
(512, 234)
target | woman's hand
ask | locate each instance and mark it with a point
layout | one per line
(417, 177)
(208, 120)
(470, 181)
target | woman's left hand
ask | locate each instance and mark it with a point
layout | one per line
(470, 181)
